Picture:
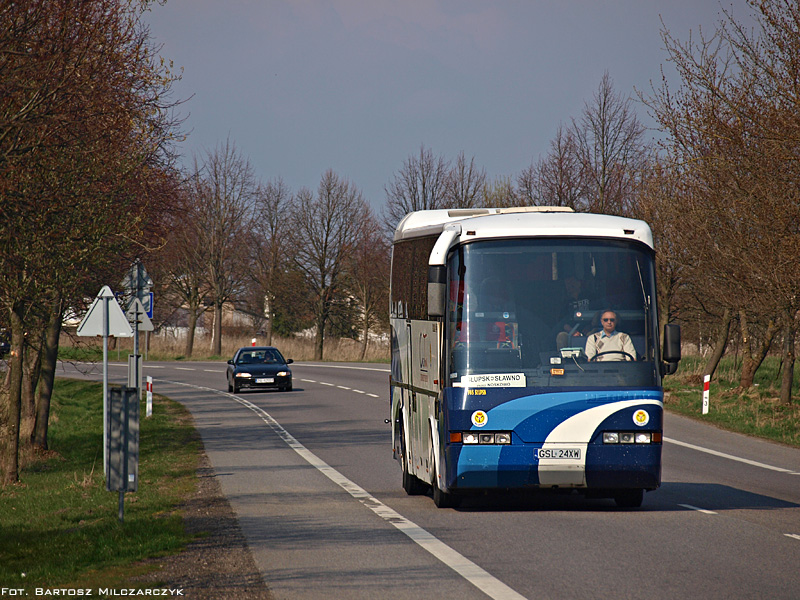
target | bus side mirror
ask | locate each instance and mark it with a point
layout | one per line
(672, 348)
(437, 290)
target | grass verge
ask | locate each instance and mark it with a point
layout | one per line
(59, 525)
(756, 411)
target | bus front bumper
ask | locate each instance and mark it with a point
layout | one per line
(518, 467)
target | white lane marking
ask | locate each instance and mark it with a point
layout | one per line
(213, 371)
(702, 510)
(308, 380)
(184, 369)
(477, 576)
(326, 383)
(373, 395)
(792, 535)
(731, 457)
(342, 367)
(342, 387)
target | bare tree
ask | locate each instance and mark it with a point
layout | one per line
(608, 141)
(499, 193)
(735, 122)
(465, 184)
(271, 240)
(223, 192)
(185, 258)
(368, 279)
(556, 179)
(420, 185)
(325, 230)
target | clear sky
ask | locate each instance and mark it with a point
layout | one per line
(301, 86)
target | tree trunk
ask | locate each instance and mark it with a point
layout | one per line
(319, 341)
(365, 337)
(720, 344)
(190, 334)
(787, 378)
(217, 343)
(752, 358)
(44, 391)
(10, 402)
(31, 367)
(270, 318)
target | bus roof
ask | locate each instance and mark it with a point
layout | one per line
(531, 221)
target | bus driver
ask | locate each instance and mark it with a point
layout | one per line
(610, 344)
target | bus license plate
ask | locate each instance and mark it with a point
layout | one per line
(265, 380)
(558, 453)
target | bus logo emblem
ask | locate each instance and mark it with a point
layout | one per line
(641, 418)
(479, 418)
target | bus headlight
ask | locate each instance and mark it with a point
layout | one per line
(485, 437)
(629, 437)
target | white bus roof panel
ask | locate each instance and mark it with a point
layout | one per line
(495, 223)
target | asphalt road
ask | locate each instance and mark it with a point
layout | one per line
(311, 477)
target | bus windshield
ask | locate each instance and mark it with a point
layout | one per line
(550, 313)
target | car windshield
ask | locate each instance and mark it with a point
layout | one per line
(525, 311)
(263, 356)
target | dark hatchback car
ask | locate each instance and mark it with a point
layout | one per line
(259, 368)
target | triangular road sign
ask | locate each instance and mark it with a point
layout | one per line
(92, 324)
(136, 312)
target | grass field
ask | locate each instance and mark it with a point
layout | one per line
(756, 411)
(59, 525)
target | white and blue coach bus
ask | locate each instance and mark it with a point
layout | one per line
(499, 376)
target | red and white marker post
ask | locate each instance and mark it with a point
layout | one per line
(149, 388)
(706, 384)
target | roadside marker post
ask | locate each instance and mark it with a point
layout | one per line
(149, 406)
(706, 384)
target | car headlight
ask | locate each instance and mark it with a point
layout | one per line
(242, 374)
(283, 373)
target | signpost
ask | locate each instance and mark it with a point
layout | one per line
(137, 284)
(105, 318)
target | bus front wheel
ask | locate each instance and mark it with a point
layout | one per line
(411, 483)
(441, 498)
(629, 498)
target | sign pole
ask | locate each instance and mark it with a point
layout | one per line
(105, 384)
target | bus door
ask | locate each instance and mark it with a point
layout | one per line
(411, 402)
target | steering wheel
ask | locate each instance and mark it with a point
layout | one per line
(594, 358)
